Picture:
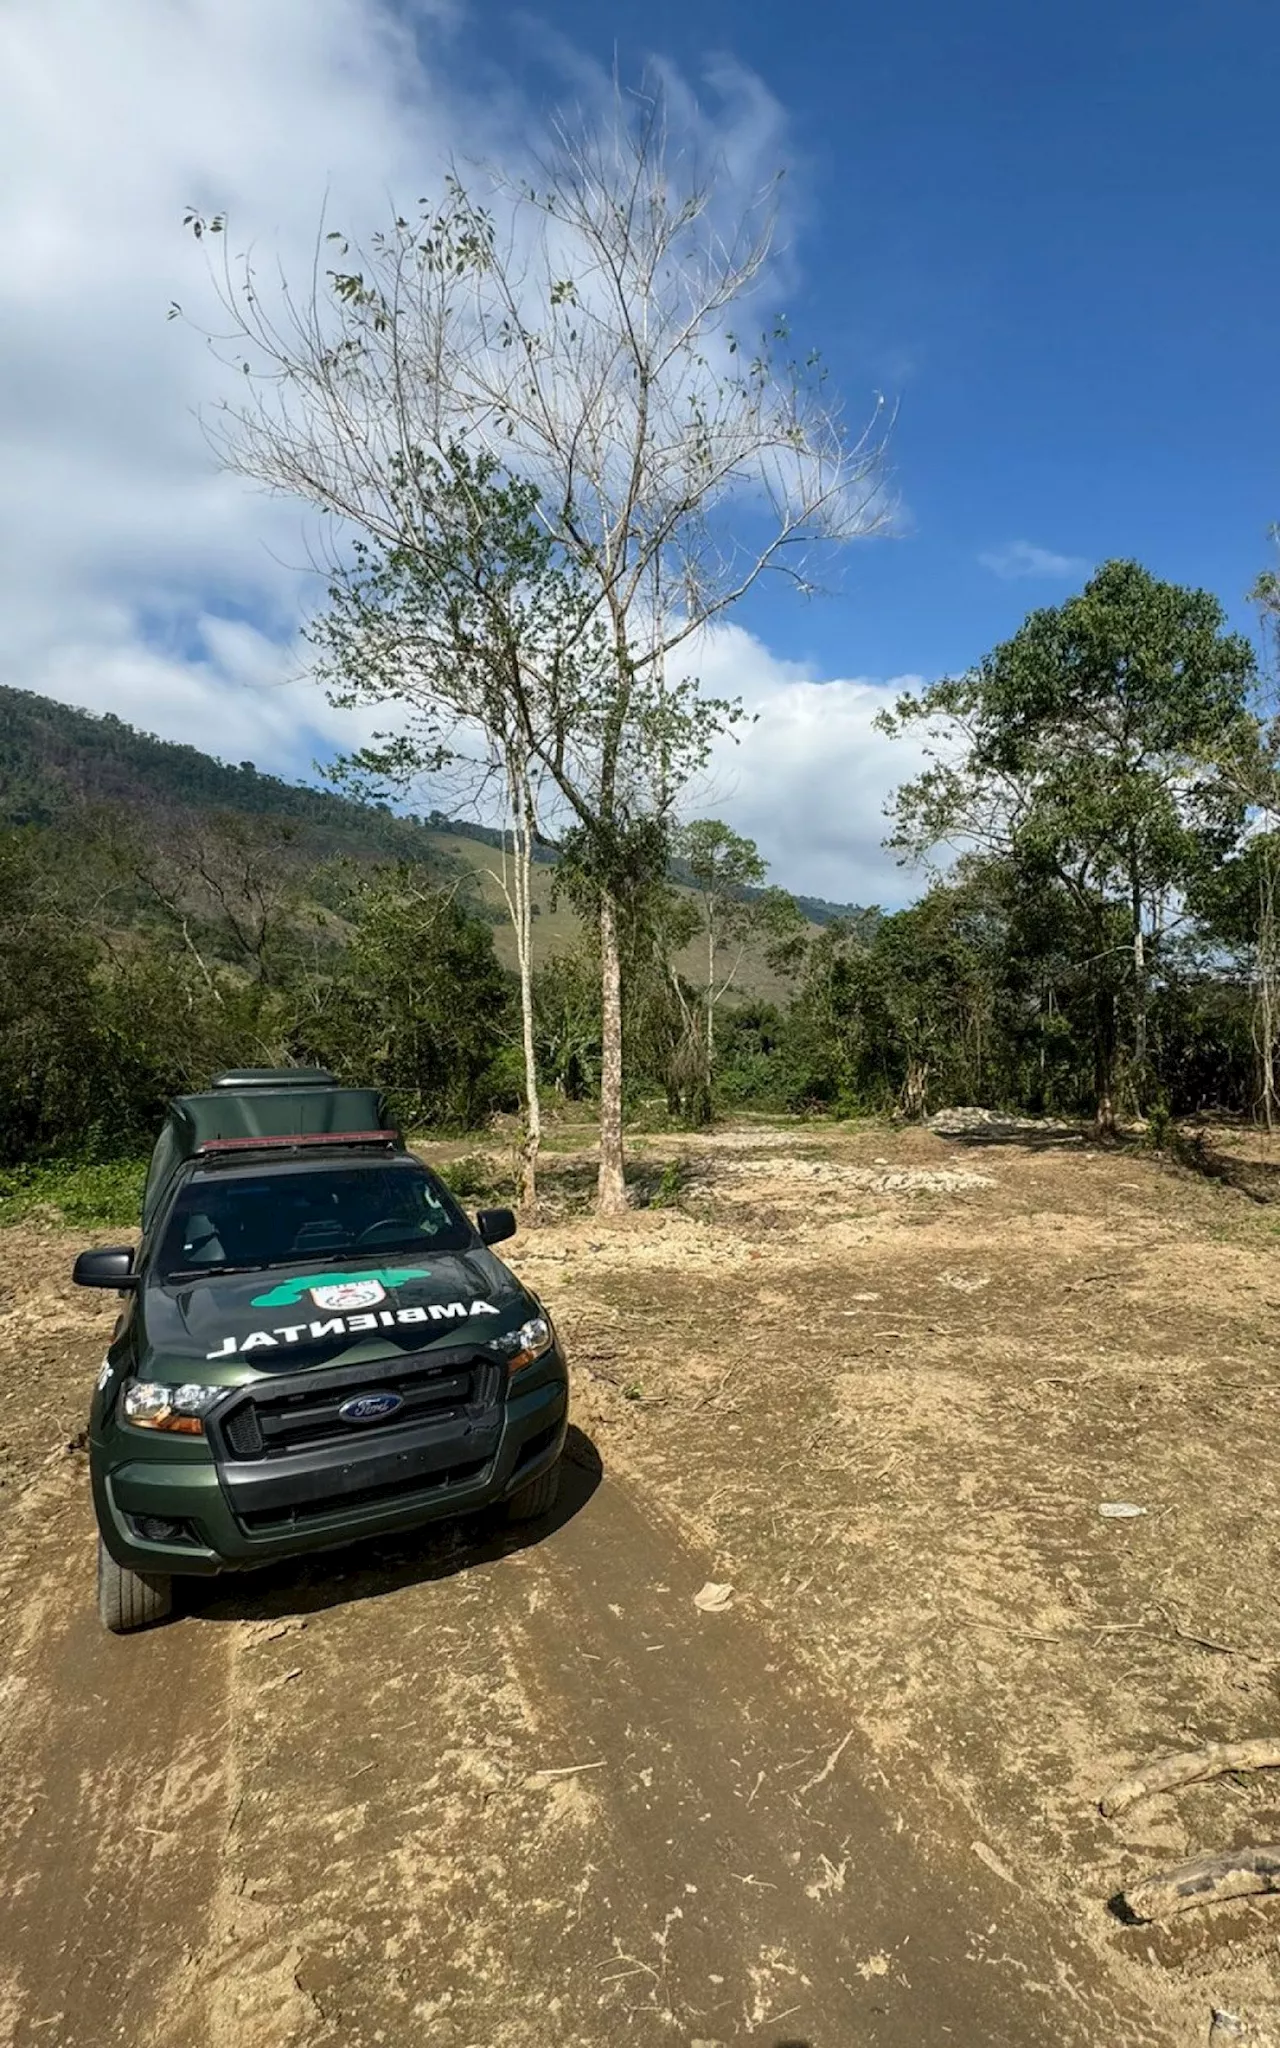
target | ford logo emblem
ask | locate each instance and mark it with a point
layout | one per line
(370, 1407)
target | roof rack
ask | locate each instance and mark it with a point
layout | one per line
(241, 1078)
(291, 1140)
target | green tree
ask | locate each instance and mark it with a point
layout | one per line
(477, 633)
(726, 871)
(1079, 751)
(421, 1006)
(722, 865)
(566, 1008)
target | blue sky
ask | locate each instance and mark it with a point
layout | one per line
(1049, 229)
(1046, 231)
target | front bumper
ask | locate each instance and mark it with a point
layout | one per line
(237, 1516)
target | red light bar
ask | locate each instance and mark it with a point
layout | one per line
(300, 1138)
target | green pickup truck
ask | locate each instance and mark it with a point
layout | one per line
(316, 1344)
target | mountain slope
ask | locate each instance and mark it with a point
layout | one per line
(56, 758)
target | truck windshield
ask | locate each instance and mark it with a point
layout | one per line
(278, 1217)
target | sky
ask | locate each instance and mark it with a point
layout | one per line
(1046, 233)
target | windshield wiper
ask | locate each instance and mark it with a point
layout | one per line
(371, 1252)
(210, 1272)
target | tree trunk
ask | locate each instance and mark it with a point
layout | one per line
(915, 1090)
(524, 952)
(1264, 1024)
(1139, 1000)
(612, 1186)
(1104, 1062)
(704, 1114)
(520, 907)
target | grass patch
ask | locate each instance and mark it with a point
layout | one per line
(671, 1183)
(92, 1194)
(473, 1178)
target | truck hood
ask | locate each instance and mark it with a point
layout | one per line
(311, 1314)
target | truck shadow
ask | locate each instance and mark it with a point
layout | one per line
(385, 1564)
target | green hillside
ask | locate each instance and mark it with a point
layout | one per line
(56, 759)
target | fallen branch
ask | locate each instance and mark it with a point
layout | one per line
(821, 1776)
(1191, 1768)
(715, 1393)
(569, 1770)
(1175, 1634)
(1204, 1881)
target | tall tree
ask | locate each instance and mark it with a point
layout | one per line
(475, 633)
(726, 872)
(584, 328)
(722, 867)
(1080, 751)
(1241, 900)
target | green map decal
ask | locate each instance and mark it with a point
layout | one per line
(290, 1292)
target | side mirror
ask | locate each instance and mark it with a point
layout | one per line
(495, 1224)
(107, 1268)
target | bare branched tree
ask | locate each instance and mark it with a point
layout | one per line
(590, 329)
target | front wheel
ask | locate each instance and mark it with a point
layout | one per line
(537, 1498)
(129, 1600)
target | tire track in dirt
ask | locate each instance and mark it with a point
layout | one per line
(511, 1789)
(113, 1760)
(765, 1879)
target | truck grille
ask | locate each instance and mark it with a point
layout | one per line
(270, 1421)
(299, 1513)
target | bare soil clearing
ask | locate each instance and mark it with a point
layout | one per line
(477, 1791)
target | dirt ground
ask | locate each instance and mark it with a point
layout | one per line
(474, 1790)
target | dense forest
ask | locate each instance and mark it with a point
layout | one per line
(1102, 941)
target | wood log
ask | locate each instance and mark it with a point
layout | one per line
(1205, 1881)
(1190, 1768)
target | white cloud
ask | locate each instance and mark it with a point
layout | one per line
(808, 777)
(1021, 558)
(122, 542)
(134, 577)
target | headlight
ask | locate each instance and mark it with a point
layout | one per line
(150, 1405)
(522, 1346)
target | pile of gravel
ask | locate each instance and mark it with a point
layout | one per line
(877, 1179)
(994, 1123)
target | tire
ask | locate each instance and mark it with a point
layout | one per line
(129, 1600)
(537, 1498)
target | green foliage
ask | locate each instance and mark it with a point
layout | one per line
(670, 1185)
(721, 863)
(753, 1052)
(472, 1178)
(419, 1007)
(566, 1016)
(92, 1194)
(1080, 753)
(469, 623)
(100, 1023)
(1111, 927)
(55, 759)
(1266, 595)
(973, 995)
